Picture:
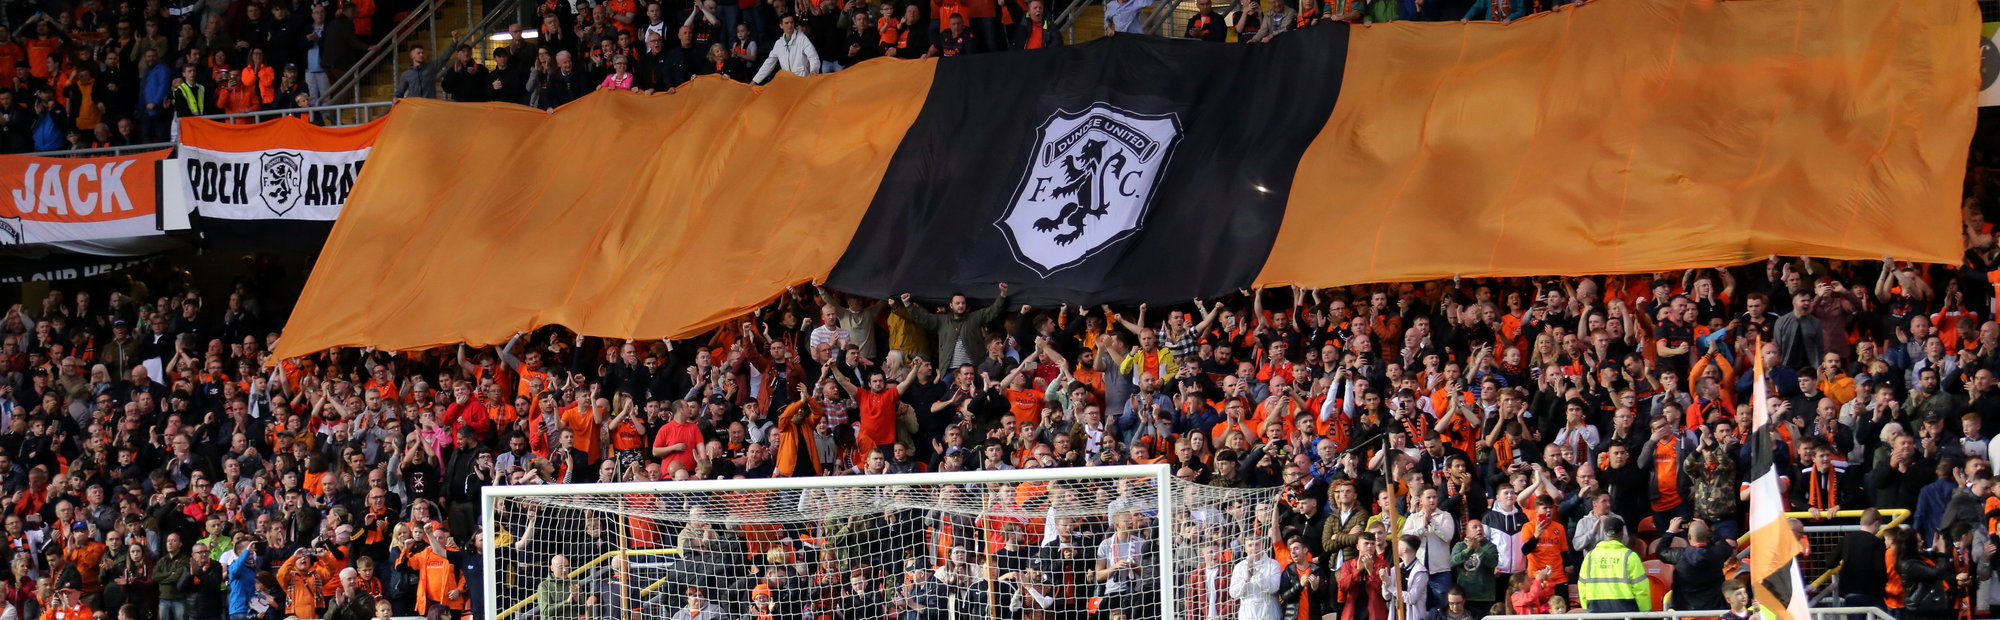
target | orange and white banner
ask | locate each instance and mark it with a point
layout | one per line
(61, 200)
(282, 169)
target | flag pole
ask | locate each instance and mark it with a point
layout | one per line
(1774, 568)
(1394, 541)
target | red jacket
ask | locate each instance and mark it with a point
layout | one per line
(473, 414)
(1358, 588)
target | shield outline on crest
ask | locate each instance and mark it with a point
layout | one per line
(13, 231)
(297, 186)
(1145, 207)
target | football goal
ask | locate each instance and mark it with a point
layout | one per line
(1091, 542)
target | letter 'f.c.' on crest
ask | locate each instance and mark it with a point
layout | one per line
(1089, 184)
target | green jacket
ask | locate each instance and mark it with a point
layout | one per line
(1474, 569)
(168, 573)
(1611, 572)
(552, 597)
(961, 329)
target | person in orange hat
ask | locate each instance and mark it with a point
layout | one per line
(761, 605)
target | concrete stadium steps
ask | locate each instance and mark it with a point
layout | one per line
(380, 84)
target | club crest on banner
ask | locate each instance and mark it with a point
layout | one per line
(1088, 184)
(283, 180)
(12, 231)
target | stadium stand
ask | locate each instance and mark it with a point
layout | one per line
(100, 74)
(1535, 407)
(157, 463)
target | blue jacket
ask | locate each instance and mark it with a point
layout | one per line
(471, 564)
(1930, 506)
(242, 583)
(154, 90)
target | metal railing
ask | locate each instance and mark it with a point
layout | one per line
(1161, 21)
(1158, 19)
(347, 89)
(498, 14)
(1066, 21)
(1893, 517)
(587, 567)
(343, 115)
(1817, 612)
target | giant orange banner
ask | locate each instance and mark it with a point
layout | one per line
(1615, 136)
(1628, 136)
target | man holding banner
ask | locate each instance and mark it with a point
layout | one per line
(1774, 548)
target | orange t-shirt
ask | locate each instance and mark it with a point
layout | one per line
(1221, 429)
(878, 411)
(584, 427)
(1026, 406)
(1667, 472)
(39, 51)
(889, 27)
(1093, 378)
(1461, 434)
(627, 436)
(1549, 547)
(625, 7)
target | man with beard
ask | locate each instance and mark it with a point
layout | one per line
(957, 330)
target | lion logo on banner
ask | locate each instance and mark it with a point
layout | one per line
(1088, 185)
(283, 181)
(1083, 182)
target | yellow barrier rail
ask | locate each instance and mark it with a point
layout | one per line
(1894, 516)
(585, 567)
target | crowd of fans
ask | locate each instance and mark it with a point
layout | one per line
(100, 73)
(656, 46)
(1529, 434)
(96, 73)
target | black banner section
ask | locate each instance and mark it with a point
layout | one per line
(16, 268)
(1130, 169)
(263, 236)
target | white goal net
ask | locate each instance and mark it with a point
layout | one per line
(1034, 544)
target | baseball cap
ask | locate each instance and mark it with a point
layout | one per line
(79, 527)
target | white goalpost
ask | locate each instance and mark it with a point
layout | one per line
(1030, 544)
